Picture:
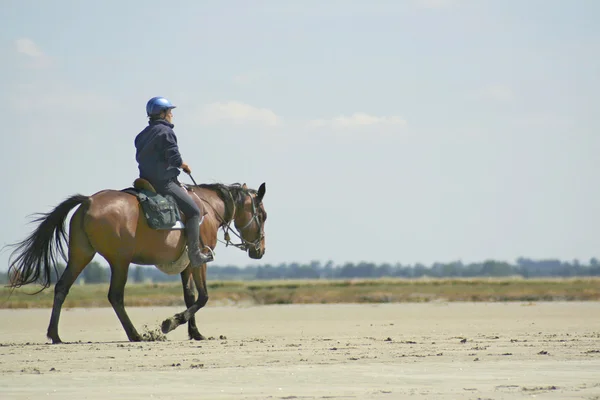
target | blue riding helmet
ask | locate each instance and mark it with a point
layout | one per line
(156, 105)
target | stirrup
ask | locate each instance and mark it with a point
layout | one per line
(211, 255)
(202, 258)
(206, 258)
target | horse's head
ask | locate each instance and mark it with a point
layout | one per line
(249, 220)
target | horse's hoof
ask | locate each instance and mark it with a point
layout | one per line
(168, 325)
(55, 339)
(197, 336)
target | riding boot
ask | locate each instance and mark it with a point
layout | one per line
(192, 231)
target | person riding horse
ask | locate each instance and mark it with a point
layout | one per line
(107, 223)
(159, 160)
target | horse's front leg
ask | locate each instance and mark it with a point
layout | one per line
(189, 297)
(199, 275)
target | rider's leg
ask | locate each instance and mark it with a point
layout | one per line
(192, 223)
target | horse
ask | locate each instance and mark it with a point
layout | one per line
(111, 223)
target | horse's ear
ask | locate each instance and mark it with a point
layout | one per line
(261, 192)
(244, 186)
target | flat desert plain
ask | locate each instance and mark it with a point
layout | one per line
(378, 351)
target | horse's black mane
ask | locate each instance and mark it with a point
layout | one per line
(238, 193)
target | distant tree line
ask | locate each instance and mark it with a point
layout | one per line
(525, 267)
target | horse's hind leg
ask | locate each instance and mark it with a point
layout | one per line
(116, 294)
(188, 296)
(80, 255)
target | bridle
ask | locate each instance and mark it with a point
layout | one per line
(245, 244)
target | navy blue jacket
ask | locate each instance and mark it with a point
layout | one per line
(157, 152)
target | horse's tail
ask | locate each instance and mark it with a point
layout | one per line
(37, 254)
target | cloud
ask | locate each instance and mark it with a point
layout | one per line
(358, 119)
(35, 55)
(496, 92)
(28, 47)
(237, 112)
(56, 98)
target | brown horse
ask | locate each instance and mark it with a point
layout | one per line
(111, 223)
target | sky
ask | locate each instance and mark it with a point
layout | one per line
(413, 131)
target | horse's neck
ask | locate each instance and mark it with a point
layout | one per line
(215, 205)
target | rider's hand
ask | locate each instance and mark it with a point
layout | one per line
(186, 168)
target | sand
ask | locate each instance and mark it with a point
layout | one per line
(380, 351)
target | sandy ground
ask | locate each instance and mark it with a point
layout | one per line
(383, 351)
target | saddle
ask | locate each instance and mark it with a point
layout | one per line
(161, 211)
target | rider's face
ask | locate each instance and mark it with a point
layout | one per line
(169, 116)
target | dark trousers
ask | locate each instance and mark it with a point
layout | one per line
(182, 198)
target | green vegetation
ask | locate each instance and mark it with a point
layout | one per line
(525, 280)
(382, 290)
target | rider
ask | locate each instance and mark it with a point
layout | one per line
(159, 160)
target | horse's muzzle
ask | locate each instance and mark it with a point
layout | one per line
(256, 254)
